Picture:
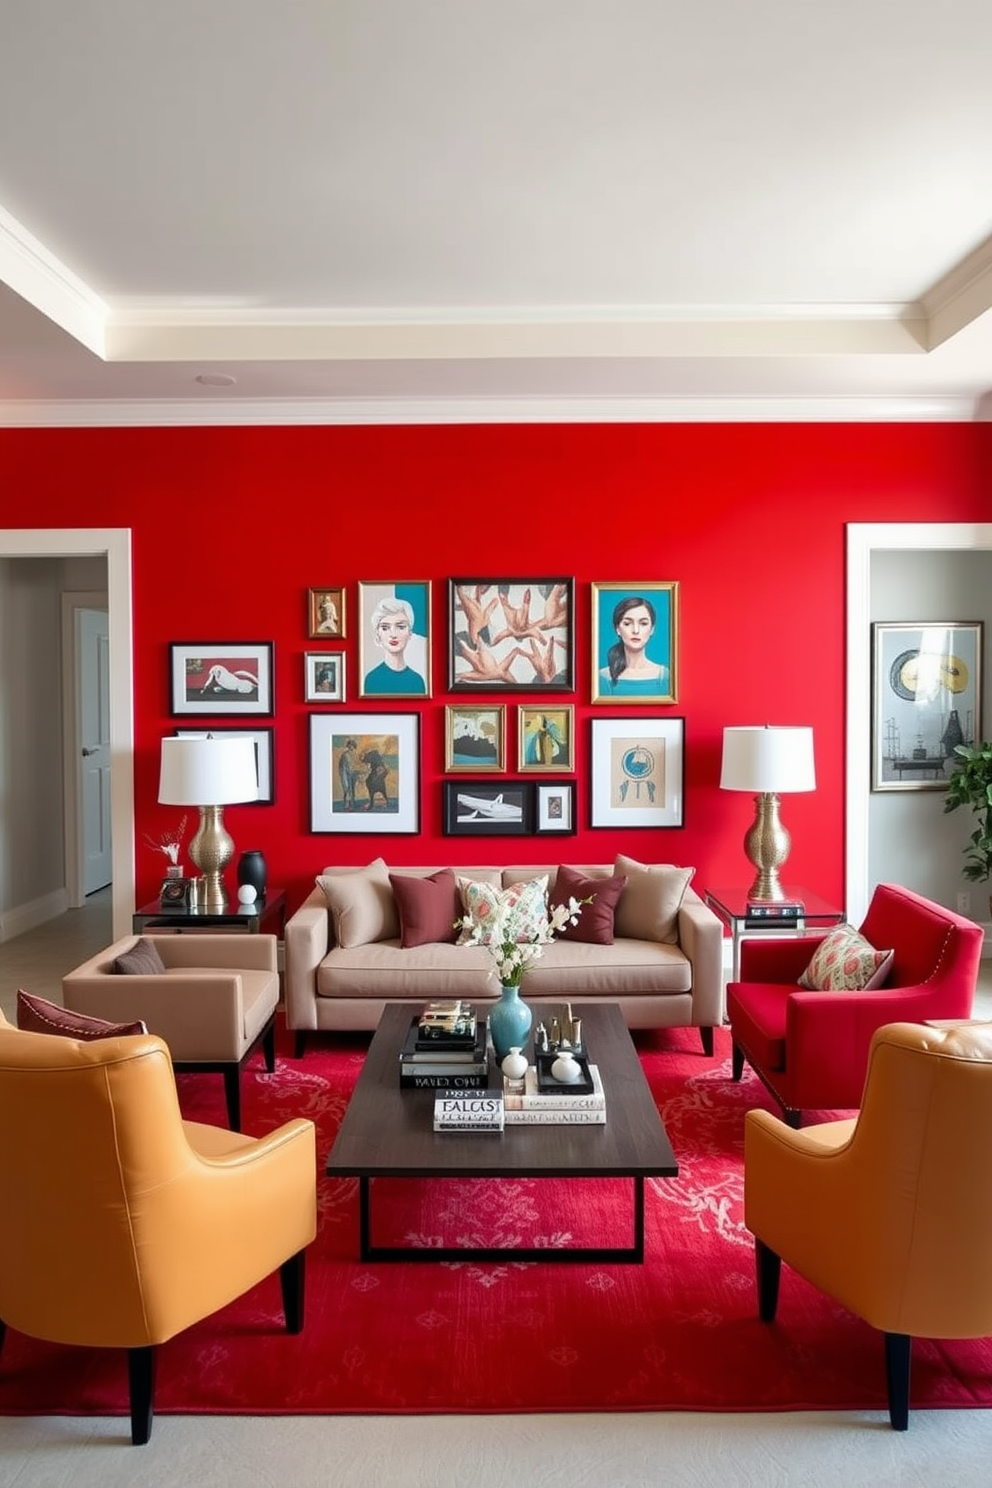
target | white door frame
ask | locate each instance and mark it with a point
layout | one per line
(113, 544)
(864, 539)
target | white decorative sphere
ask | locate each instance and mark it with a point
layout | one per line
(247, 894)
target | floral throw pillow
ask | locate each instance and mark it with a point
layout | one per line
(845, 962)
(520, 910)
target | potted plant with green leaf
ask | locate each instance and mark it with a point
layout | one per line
(970, 784)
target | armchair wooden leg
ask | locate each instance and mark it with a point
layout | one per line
(706, 1034)
(792, 1117)
(292, 1279)
(898, 1353)
(736, 1061)
(299, 1043)
(141, 1381)
(3, 1334)
(269, 1047)
(232, 1095)
(768, 1270)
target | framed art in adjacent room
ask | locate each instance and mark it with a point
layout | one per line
(324, 676)
(554, 807)
(476, 809)
(221, 677)
(326, 614)
(394, 639)
(638, 772)
(926, 698)
(475, 738)
(546, 738)
(364, 772)
(262, 740)
(511, 633)
(635, 642)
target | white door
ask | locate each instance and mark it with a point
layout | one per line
(93, 656)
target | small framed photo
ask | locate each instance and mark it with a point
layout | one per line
(474, 809)
(511, 633)
(926, 698)
(546, 738)
(394, 639)
(324, 676)
(638, 772)
(221, 677)
(326, 615)
(475, 738)
(365, 772)
(554, 808)
(635, 643)
(262, 740)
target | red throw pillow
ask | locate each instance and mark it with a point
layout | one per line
(36, 1015)
(595, 923)
(428, 907)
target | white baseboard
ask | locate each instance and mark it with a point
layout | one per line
(29, 916)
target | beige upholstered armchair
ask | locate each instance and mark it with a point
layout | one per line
(123, 1224)
(890, 1213)
(213, 1001)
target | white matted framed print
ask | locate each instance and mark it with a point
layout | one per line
(221, 677)
(926, 699)
(394, 639)
(324, 676)
(554, 807)
(638, 772)
(364, 772)
(262, 740)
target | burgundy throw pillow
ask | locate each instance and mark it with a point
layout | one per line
(595, 923)
(37, 1015)
(142, 959)
(428, 907)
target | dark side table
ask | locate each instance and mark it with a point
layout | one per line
(266, 916)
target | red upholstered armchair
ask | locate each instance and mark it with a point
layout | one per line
(810, 1047)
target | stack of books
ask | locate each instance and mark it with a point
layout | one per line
(533, 1106)
(468, 1110)
(445, 1046)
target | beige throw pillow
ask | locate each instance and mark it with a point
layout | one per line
(649, 905)
(361, 903)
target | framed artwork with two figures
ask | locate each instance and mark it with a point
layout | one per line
(926, 699)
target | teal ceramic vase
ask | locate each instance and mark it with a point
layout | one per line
(509, 1022)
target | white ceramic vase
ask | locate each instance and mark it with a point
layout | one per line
(566, 1068)
(514, 1066)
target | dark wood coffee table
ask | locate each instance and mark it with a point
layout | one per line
(388, 1132)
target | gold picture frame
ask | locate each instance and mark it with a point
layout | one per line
(546, 738)
(327, 614)
(475, 738)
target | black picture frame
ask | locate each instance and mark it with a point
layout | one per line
(229, 678)
(509, 635)
(490, 815)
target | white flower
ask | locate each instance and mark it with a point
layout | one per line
(510, 956)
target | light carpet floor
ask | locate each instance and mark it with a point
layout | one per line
(799, 1449)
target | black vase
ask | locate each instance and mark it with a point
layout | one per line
(252, 870)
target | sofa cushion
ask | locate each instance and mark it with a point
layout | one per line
(428, 907)
(361, 902)
(38, 1015)
(523, 908)
(595, 923)
(844, 961)
(142, 959)
(649, 905)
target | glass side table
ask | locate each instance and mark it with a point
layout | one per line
(744, 919)
(267, 915)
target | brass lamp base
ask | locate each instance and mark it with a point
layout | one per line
(211, 850)
(767, 845)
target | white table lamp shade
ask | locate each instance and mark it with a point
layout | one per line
(211, 771)
(768, 759)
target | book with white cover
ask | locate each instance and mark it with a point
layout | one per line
(468, 1110)
(556, 1118)
(533, 1099)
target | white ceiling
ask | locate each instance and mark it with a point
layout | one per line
(464, 209)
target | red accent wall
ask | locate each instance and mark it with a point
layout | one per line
(231, 526)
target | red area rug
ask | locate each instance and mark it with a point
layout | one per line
(678, 1333)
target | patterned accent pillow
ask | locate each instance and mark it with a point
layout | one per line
(525, 906)
(845, 962)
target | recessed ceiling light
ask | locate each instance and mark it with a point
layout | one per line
(215, 379)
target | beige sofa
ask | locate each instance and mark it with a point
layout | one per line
(668, 982)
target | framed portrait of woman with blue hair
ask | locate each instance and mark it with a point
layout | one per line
(635, 643)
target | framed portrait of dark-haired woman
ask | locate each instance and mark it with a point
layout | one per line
(635, 643)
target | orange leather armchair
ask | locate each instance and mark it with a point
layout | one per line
(122, 1223)
(891, 1212)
